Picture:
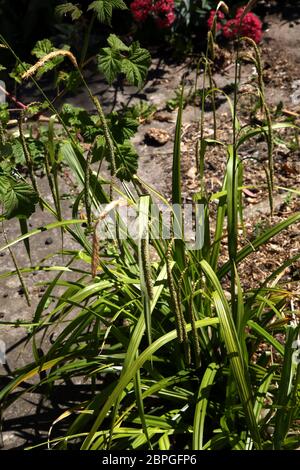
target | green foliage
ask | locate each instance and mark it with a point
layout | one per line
(126, 161)
(134, 62)
(43, 48)
(4, 114)
(18, 198)
(142, 111)
(77, 118)
(122, 126)
(69, 80)
(68, 9)
(104, 9)
(12, 153)
(18, 71)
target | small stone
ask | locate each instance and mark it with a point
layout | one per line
(163, 116)
(48, 241)
(157, 137)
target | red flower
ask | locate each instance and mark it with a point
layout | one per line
(251, 26)
(140, 9)
(230, 29)
(162, 11)
(210, 21)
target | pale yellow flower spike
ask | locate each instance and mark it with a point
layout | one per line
(30, 72)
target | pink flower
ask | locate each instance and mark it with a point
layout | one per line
(210, 21)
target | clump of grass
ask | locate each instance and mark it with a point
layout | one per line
(127, 329)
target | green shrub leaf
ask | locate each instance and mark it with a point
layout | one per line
(68, 9)
(135, 67)
(109, 63)
(104, 9)
(19, 198)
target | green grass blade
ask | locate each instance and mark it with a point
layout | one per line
(238, 367)
(287, 385)
(24, 231)
(201, 406)
(176, 185)
(264, 334)
(53, 225)
(232, 202)
(135, 366)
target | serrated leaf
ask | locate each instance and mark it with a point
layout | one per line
(109, 63)
(12, 151)
(68, 9)
(18, 71)
(75, 116)
(104, 9)
(126, 161)
(136, 65)
(116, 43)
(36, 107)
(80, 121)
(42, 48)
(99, 149)
(71, 80)
(4, 114)
(18, 198)
(122, 127)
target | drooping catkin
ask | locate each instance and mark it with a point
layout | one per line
(195, 339)
(173, 295)
(27, 155)
(95, 251)
(213, 97)
(146, 266)
(32, 70)
(109, 141)
(270, 137)
(2, 134)
(87, 198)
(187, 349)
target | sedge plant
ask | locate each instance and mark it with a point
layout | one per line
(164, 335)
